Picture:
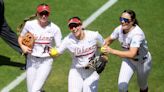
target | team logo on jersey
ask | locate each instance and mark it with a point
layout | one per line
(82, 51)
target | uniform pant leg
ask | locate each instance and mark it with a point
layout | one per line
(91, 82)
(42, 74)
(143, 70)
(75, 81)
(10, 37)
(30, 73)
(126, 72)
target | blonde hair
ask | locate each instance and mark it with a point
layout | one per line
(20, 27)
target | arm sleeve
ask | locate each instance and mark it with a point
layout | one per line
(100, 40)
(58, 37)
(63, 46)
(115, 33)
(136, 40)
(25, 29)
(139, 41)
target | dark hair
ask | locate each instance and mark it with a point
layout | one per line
(43, 4)
(75, 18)
(133, 16)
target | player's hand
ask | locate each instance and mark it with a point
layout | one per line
(26, 49)
(106, 50)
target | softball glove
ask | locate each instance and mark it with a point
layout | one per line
(98, 63)
(28, 40)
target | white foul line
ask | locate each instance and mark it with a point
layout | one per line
(98, 12)
(88, 21)
(14, 83)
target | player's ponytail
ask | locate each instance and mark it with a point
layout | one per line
(40, 7)
(20, 27)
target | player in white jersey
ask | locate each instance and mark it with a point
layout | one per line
(135, 54)
(82, 45)
(39, 62)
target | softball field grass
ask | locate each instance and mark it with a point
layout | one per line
(149, 14)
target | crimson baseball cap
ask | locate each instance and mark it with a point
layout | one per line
(74, 21)
(42, 8)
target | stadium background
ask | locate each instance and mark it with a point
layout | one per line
(150, 17)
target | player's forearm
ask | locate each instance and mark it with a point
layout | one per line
(123, 54)
(20, 41)
(108, 41)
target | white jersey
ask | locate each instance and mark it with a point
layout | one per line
(134, 38)
(44, 37)
(82, 50)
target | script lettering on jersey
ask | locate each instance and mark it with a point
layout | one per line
(43, 38)
(85, 51)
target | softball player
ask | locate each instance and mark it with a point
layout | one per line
(82, 45)
(135, 54)
(39, 61)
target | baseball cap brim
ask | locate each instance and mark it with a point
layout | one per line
(74, 20)
(43, 8)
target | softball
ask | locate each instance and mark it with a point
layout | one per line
(102, 49)
(53, 52)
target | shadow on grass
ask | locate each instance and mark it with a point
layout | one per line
(6, 61)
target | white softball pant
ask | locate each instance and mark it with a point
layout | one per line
(37, 71)
(128, 68)
(82, 80)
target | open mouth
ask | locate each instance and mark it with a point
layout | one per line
(74, 31)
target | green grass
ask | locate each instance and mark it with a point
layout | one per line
(150, 17)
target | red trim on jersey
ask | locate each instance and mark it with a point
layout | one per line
(85, 54)
(42, 43)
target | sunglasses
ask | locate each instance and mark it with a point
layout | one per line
(124, 20)
(72, 25)
(44, 13)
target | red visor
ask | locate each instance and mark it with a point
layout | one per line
(43, 8)
(74, 20)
